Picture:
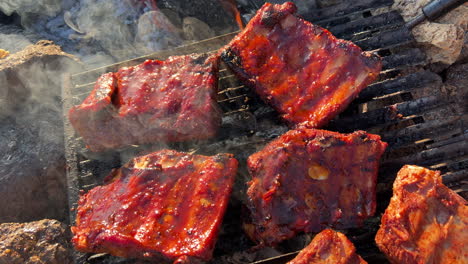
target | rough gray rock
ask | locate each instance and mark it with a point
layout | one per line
(442, 39)
(32, 167)
(32, 164)
(33, 73)
(44, 241)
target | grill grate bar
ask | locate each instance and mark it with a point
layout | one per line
(386, 115)
(404, 83)
(386, 39)
(432, 156)
(432, 129)
(391, 19)
(456, 178)
(233, 89)
(450, 140)
(242, 98)
(407, 58)
(210, 45)
(345, 8)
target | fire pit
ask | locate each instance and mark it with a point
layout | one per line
(417, 105)
(408, 106)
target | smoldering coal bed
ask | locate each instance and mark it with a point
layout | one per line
(406, 106)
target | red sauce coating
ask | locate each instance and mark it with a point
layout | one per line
(164, 205)
(425, 222)
(300, 69)
(308, 180)
(172, 101)
(329, 247)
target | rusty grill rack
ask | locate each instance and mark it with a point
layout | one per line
(406, 106)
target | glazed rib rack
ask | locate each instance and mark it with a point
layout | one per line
(407, 106)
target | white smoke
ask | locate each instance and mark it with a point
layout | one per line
(97, 31)
(25, 7)
(14, 39)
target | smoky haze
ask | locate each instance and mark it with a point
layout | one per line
(32, 166)
(101, 32)
(98, 33)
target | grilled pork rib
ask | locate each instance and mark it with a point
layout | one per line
(328, 247)
(166, 205)
(426, 222)
(172, 100)
(309, 179)
(300, 69)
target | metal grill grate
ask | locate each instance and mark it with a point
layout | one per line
(406, 106)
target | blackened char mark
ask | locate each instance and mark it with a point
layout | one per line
(234, 61)
(200, 58)
(272, 17)
(371, 60)
(230, 57)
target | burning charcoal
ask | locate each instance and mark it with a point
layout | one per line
(166, 205)
(329, 246)
(300, 69)
(44, 241)
(426, 222)
(156, 101)
(309, 179)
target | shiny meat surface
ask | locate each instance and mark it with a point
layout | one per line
(310, 179)
(300, 69)
(426, 222)
(328, 247)
(171, 101)
(164, 206)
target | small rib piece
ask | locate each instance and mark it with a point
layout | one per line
(166, 205)
(300, 69)
(310, 179)
(426, 222)
(328, 247)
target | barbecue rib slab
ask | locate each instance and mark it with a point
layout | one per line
(309, 179)
(172, 100)
(328, 247)
(426, 222)
(165, 205)
(301, 70)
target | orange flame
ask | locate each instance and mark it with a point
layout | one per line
(231, 7)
